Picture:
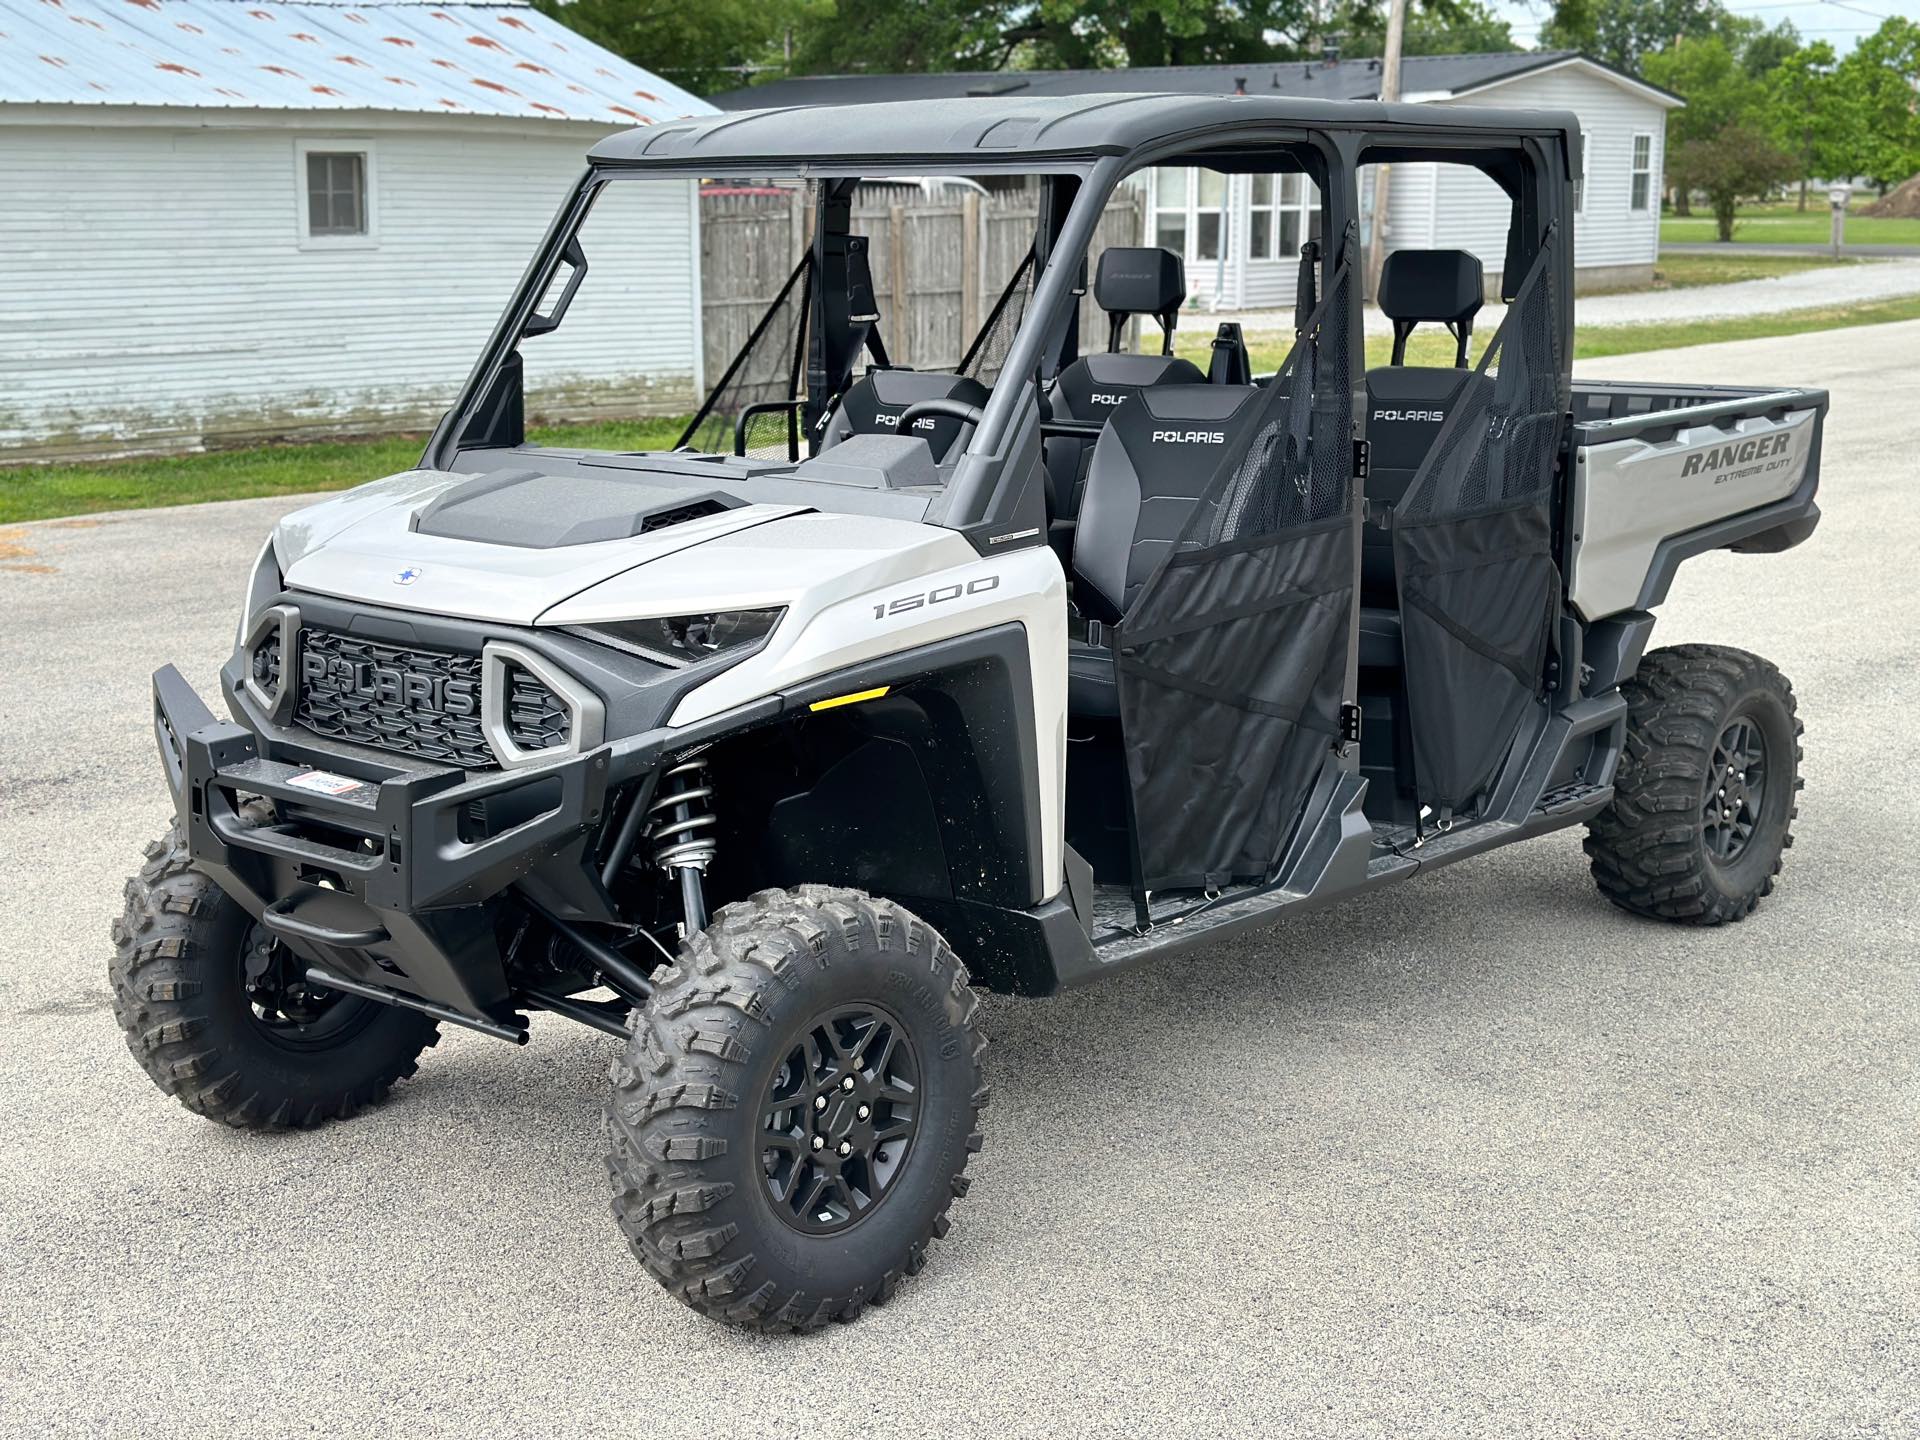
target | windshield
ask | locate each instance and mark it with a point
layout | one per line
(733, 316)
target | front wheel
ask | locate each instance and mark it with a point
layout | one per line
(219, 1015)
(795, 1107)
(1708, 788)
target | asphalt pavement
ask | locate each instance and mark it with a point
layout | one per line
(1479, 1155)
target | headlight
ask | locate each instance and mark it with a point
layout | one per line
(679, 640)
(262, 585)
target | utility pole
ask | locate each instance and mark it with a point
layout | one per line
(1382, 174)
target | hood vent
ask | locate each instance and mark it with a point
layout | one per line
(532, 511)
(679, 515)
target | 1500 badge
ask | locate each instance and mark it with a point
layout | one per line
(901, 604)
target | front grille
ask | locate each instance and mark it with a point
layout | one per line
(419, 702)
(535, 717)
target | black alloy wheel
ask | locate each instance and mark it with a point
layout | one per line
(1736, 790)
(839, 1118)
(289, 1011)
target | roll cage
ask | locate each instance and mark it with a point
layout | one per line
(1082, 148)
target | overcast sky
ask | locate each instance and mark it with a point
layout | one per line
(1840, 23)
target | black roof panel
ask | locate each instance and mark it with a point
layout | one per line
(980, 130)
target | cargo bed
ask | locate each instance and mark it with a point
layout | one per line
(1662, 472)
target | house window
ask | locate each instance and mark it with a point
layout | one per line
(1210, 199)
(1170, 189)
(1299, 214)
(336, 192)
(1283, 211)
(1642, 171)
(1187, 211)
(335, 183)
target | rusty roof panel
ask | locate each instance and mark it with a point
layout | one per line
(420, 58)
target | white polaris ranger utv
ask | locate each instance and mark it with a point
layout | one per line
(760, 752)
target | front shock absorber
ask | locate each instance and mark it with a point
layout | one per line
(681, 831)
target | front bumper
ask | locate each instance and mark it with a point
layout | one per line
(386, 876)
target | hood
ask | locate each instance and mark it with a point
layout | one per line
(503, 546)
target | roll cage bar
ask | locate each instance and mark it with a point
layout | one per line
(1529, 154)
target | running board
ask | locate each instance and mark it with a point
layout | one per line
(1257, 907)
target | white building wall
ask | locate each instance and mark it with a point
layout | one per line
(1472, 211)
(160, 291)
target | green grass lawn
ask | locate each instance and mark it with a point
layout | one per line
(1783, 223)
(38, 492)
(1685, 272)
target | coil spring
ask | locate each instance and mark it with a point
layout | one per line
(681, 823)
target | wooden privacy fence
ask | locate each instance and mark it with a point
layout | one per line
(939, 261)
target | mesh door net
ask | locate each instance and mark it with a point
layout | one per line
(1231, 659)
(1473, 553)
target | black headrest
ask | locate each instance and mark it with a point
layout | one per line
(1140, 280)
(1431, 285)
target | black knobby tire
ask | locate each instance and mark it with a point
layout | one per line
(687, 1125)
(1690, 837)
(180, 993)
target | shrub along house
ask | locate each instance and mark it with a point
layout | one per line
(1241, 236)
(229, 219)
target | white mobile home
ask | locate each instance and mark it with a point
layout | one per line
(233, 219)
(1241, 235)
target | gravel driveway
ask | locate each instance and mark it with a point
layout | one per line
(1803, 290)
(1476, 1156)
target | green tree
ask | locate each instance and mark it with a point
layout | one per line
(703, 47)
(1803, 112)
(1467, 27)
(1764, 51)
(1736, 164)
(837, 37)
(1879, 133)
(1623, 32)
(1113, 34)
(1719, 92)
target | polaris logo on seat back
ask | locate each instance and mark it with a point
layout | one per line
(1432, 415)
(1098, 399)
(925, 422)
(1725, 457)
(1189, 437)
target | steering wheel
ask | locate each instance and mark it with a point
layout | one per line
(970, 417)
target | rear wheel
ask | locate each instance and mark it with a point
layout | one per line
(220, 1016)
(795, 1108)
(1706, 796)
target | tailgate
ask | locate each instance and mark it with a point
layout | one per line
(1734, 471)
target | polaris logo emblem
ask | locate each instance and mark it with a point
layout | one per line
(925, 422)
(1098, 399)
(1189, 437)
(1725, 457)
(1432, 415)
(408, 575)
(332, 676)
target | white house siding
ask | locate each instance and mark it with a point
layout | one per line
(1608, 234)
(161, 293)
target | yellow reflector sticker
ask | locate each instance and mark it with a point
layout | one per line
(853, 699)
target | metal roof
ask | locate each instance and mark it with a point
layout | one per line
(978, 132)
(434, 59)
(1435, 75)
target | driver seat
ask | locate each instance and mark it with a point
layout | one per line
(874, 403)
(1129, 281)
